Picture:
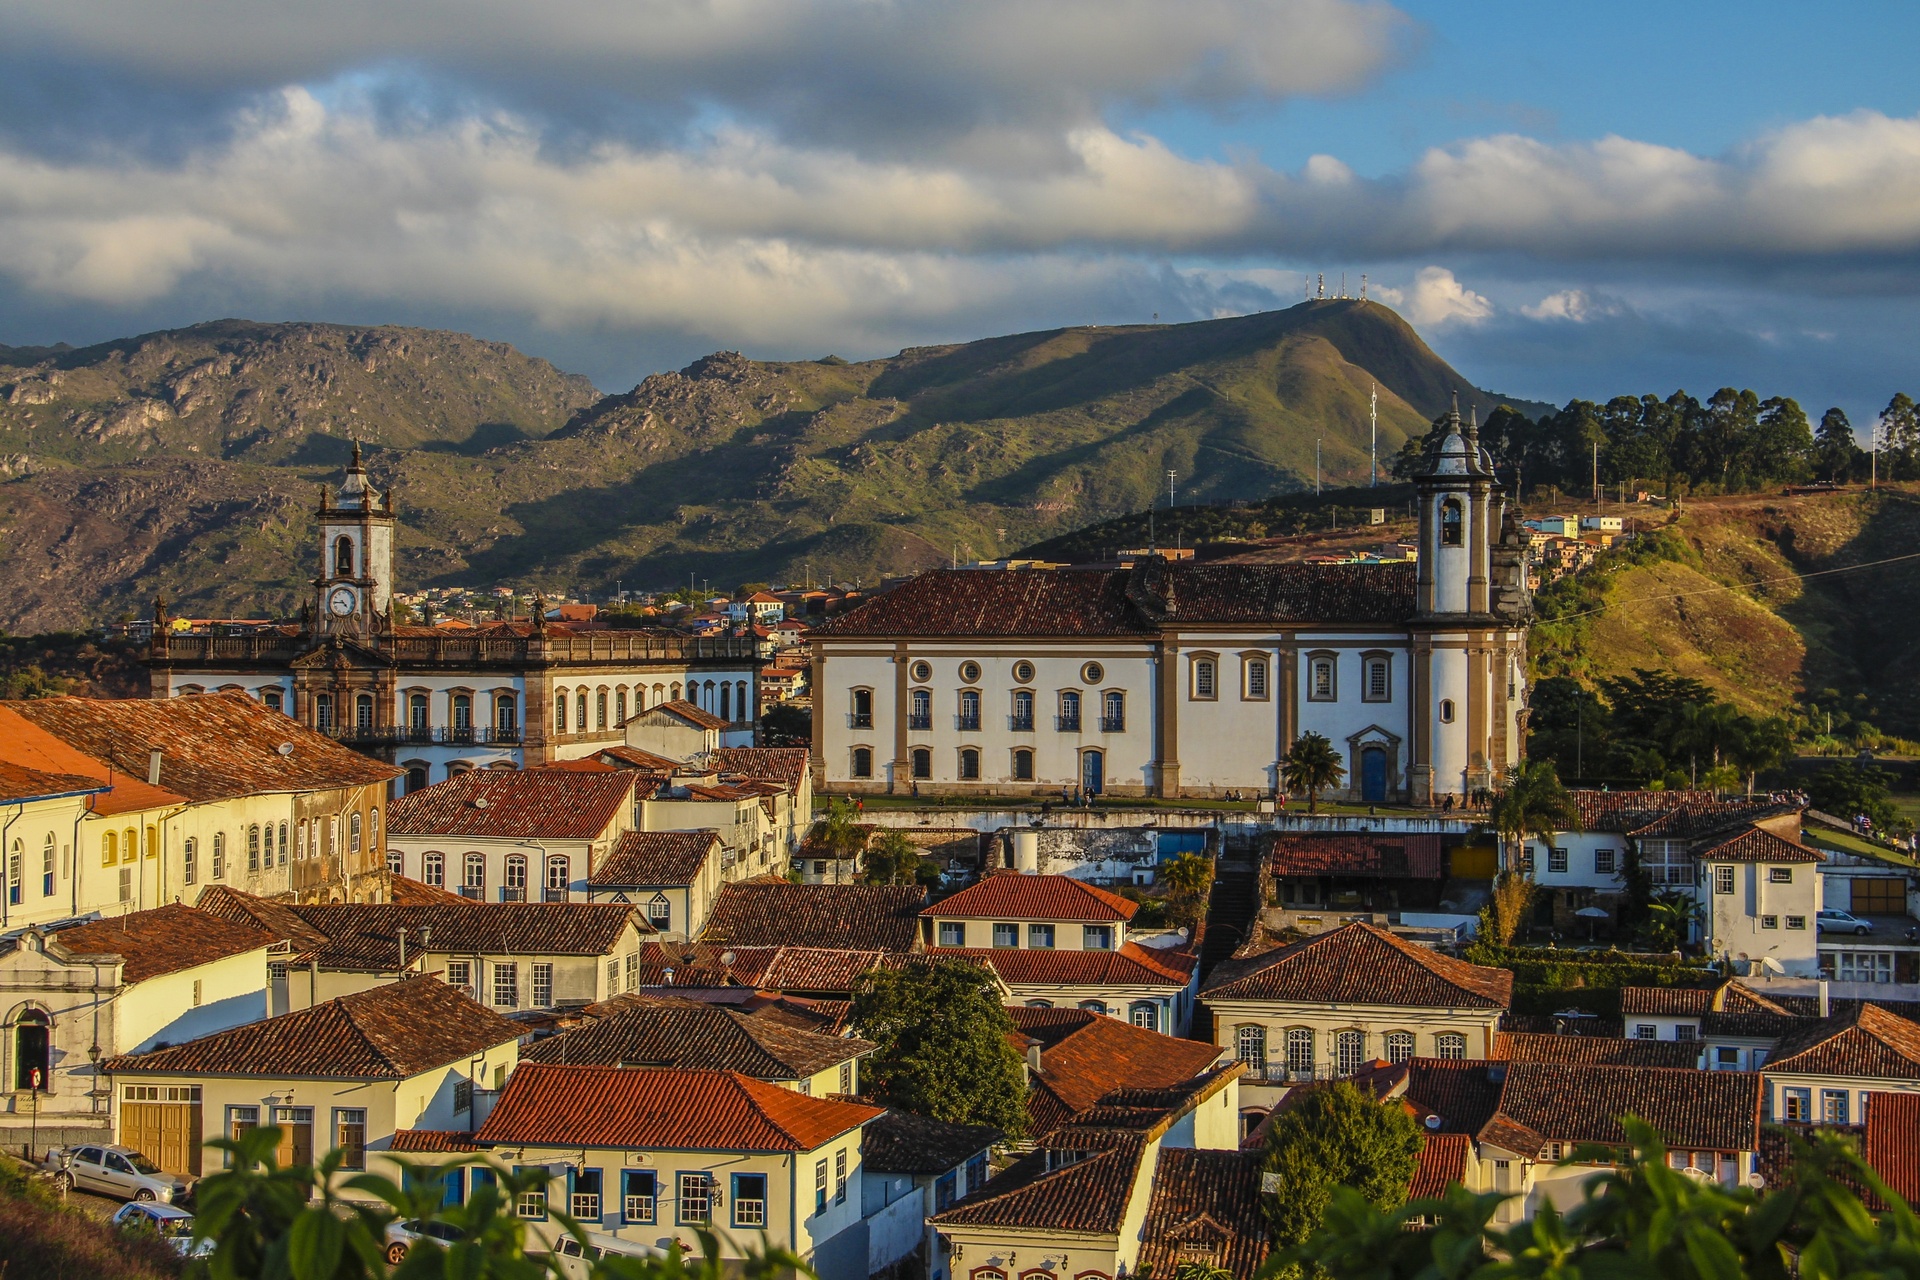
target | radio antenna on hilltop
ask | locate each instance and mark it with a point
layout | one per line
(1343, 284)
(1363, 286)
(1323, 287)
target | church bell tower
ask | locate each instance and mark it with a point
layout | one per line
(355, 588)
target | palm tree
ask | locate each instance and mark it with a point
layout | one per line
(1533, 803)
(1310, 764)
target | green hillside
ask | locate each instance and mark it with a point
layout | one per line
(129, 475)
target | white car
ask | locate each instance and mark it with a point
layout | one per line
(172, 1224)
(576, 1263)
(117, 1171)
(401, 1235)
(1841, 922)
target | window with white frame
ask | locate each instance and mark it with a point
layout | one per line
(1603, 862)
(506, 985)
(1377, 685)
(473, 882)
(1450, 1044)
(542, 984)
(1300, 1048)
(1399, 1046)
(1863, 966)
(1206, 679)
(1349, 1051)
(1254, 679)
(460, 975)
(434, 872)
(1320, 678)
(1779, 875)
(1833, 1106)
(1557, 861)
(1251, 1044)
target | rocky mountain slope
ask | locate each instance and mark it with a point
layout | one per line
(187, 461)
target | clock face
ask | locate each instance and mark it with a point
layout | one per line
(341, 601)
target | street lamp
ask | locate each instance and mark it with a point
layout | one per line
(93, 1056)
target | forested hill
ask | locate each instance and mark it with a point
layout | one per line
(187, 461)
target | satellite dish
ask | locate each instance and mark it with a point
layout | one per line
(1433, 1124)
(727, 957)
(285, 748)
(1757, 1180)
(479, 802)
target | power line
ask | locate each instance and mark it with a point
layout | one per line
(1757, 582)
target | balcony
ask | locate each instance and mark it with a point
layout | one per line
(1113, 724)
(513, 893)
(860, 720)
(557, 895)
(1067, 724)
(920, 721)
(1020, 724)
(967, 724)
(477, 892)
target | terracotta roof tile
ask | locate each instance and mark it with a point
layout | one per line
(1442, 1164)
(1205, 1204)
(901, 1142)
(517, 803)
(215, 745)
(682, 1110)
(1623, 811)
(1891, 1144)
(1567, 1102)
(1704, 818)
(1601, 1050)
(277, 918)
(19, 783)
(834, 916)
(1866, 1042)
(635, 758)
(164, 940)
(1034, 897)
(412, 893)
(1360, 964)
(1756, 844)
(1392, 856)
(693, 1035)
(803, 969)
(784, 765)
(1086, 1057)
(1130, 965)
(654, 859)
(1089, 1194)
(1463, 1093)
(389, 1032)
(25, 744)
(368, 933)
(432, 1140)
(681, 709)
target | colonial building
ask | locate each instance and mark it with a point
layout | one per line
(503, 695)
(1183, 679)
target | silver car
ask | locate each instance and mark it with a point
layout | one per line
(171, 1224)
(116, 1171)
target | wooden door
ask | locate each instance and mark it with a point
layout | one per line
(168, 1132)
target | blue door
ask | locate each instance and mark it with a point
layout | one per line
(1373, 775)
(1092, 772)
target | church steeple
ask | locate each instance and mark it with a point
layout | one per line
(354, 591)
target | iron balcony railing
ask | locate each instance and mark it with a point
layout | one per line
(1113, 724)
(1067, 724)
(920, 722)
(860, 720)
(598, 646)
(387, 734)
(967, 724)
(1020, 724)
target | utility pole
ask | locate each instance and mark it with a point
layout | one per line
(1316, 466)
(1170, 502)
(1596, 473)
(1373, 417)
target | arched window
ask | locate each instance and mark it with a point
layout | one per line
(660, 912)
(1349, 1051)
(726, 700)
(1113, 712)
(1206, 679)
(109, 848)
(922, 762)
(1144, 1014)
(970, 765)
(920, 709)
(434, 870)
(395, 864)
(560, 712)
(1022, 765)
(46, 866)
(675, 687)
(1446, 711)
(363, 712)
(515, 888)
(600, 710)
(1300, 1048)
(1450, 1044)
(863, 762)
(189, 860)
(742, 703)
(373, 827)
(639, 698)
(559, 877)
(580, 711)
(1094, 1006)
(1022, 721)
(1069, 711)
(33, 1051)
(1039, 1004)
(323, 711)
(1399, 1046)
(417, 715)
(353, 834)
(473, 879)
(17, 872)
(152, 849)
(129, 845)
(253, 848)
(620, 705)
(218, 868)
(343, 557)
(1450, 523)
(283, 844)
(969, 709)
(266, 853)
(272, 699)
(1252, 1048)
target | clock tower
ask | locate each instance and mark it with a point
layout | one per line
(355, 586)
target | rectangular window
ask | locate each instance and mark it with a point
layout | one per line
(840, 1176)
(460, 974)
(1727, 1058)
(1040, 936)
(943, 1196)
(1006, 935)
(1798, 1104)
(1685, 1031)
(1096, 937)
(696, 1198)
(1603, 861)
(1557, 860)
(633, 971)
(1833, 1106)
(583, 1201)
(820, 1186)
(846, 1078)
(241, 1121)
(1796, 922)
(1203, 679)
(506, 985)
(1723, 879)
(1257, 678)
(953, 933)
(542, 985)
(749, 1199)
(1769, 922)
(531, 1204)
(1379, 682)
(350, 1136)
(613, 975)
(638, 1190)
(219, 867)
(463, 1095)
(189, 863)
(1779, 875)
(1320, 680)
(1646, 1031)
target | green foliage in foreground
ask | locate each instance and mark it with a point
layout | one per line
(270, 1223)
(1641, 1222)
(1336, 1140)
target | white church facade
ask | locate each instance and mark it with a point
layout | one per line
(439, 701)
(1175, 678)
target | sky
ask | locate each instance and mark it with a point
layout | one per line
(1567, 200)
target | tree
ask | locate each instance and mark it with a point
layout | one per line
(1336, 1137)
(892, 858)
(1533, 803)
(943, 1048)
(1835, 446)
(1639, 1219)
(1668, 919)
(1899, 433)
(1853, 790)
(1187, 877)
(839, 832)
(1310, 764)
(273, 1223)
(786, 725)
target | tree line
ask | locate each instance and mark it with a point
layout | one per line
(1731, 442)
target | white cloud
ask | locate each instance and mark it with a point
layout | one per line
(1567, 304)
(1436, 298)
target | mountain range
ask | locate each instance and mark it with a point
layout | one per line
(188, 461)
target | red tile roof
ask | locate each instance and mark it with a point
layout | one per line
(1566, 1102)
(902, 1142)
(1756, 844)
(784, 765)
(26, 745)
(277, 918)
(515, 804)
(1891, 1144)
(1085, 1057)
(1622, 811)
(834, 916)
(1131, 965)
(687, 711)
(412, 893)
(1866, 1041)
(432, 1140)
(1034, 897)
(661, 1033)
(215, 745)
(1463, 1093)
(165, 940)
(654, 859)
(805, 969)
(19, 783)
(675, 1109)
(366, 933)
(1090, 1194)
(1412, 856)
(1602, 1050)
(1361, 964)
(1205, 1204)
(1442, 1164)
(389, 1032)
(635, 758)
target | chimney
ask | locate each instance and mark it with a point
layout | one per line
(1826, 999)
(153, 767)
(1033, 1057)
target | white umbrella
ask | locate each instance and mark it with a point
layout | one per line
(1592, 915)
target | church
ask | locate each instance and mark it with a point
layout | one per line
(439, 701)
(1181, 679)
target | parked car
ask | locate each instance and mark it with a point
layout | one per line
(117, 1171)
(576, 1263)
(169, 1222)
(1841, 922)
(401, 1235)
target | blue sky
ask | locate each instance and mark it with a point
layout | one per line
(1566, 200)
